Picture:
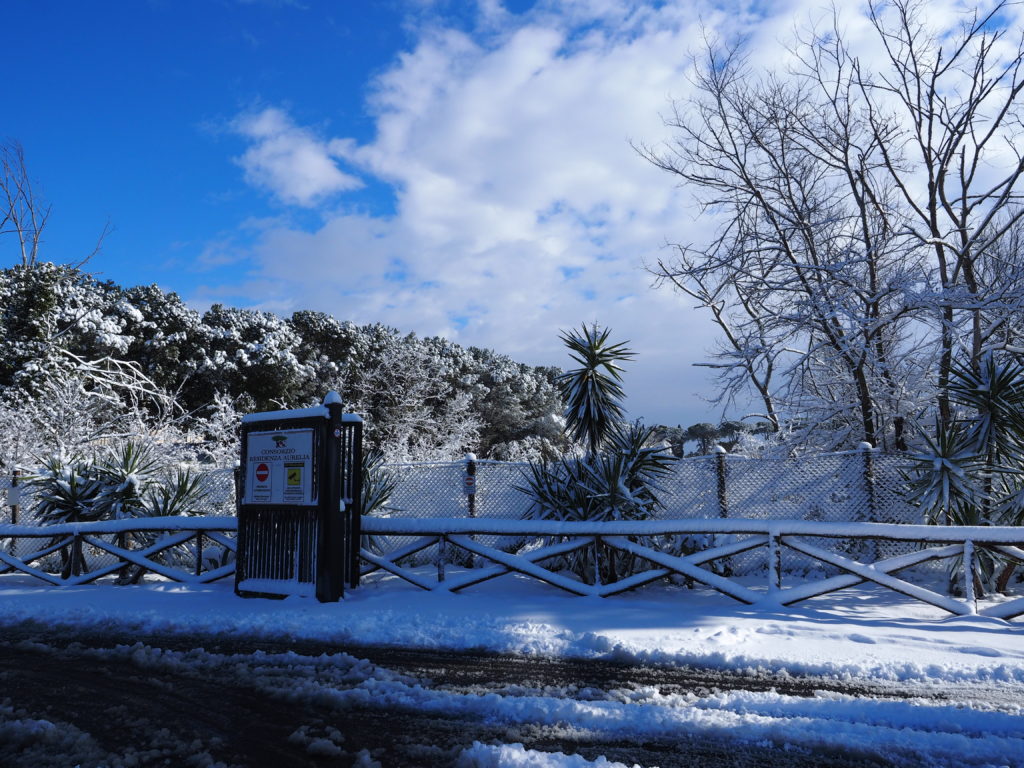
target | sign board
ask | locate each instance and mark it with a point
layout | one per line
(469, 484)
(279, 468)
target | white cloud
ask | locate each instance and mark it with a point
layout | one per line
(289, 161)
(521, 208)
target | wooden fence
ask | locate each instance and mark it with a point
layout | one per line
(199, 550)
(193, 550)
(726, 538)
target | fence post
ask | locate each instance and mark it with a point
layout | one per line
(14, 496)
(774, 561)
(868, 453)
(722, 567)
(721, 470)
(969, 594)
(469, 483)
(442, 556)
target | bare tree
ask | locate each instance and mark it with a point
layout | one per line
(24, 212)
(862, 207)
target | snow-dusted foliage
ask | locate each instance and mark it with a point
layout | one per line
(84, 361)
(616, 476)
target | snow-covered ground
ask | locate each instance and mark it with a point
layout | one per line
(866, 634)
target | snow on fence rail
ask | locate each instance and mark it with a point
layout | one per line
(543, 540)
(201, 549)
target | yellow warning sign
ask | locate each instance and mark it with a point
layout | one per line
(294, 476)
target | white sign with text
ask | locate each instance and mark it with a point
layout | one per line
(279, 468)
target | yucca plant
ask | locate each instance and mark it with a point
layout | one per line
(593, 392)
(127, 481)
(66, 489)
(972, 471)
(127, 472)
(179, 493)
(378, 485)
(620, 483)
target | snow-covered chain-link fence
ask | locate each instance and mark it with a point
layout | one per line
(854, 486)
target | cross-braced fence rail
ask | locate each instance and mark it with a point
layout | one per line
(722, 539)
(194, 550)
(199, 550)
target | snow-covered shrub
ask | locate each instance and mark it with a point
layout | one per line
(126, 480)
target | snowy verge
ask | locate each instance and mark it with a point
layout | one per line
(861, 633)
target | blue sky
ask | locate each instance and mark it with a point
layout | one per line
(454, 168)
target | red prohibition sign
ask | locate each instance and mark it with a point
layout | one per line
(262, 472)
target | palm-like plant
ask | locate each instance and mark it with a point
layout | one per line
(378, 485)
(127, 481)
(972, 472)
(179, 493)
(616, 479)
(66, 489)
(593, 392)
(127, 471)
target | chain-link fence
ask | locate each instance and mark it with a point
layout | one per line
(854, 486)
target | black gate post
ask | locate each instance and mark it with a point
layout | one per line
(352, 492)
(333, 552)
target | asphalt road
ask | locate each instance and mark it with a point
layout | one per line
(77, 699)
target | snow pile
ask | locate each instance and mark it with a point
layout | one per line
(516, 756)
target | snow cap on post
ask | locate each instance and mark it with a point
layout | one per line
(866, 446)
(332, 398)
(720, 449)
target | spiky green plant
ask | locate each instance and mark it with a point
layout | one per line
(620, 483)
(65, 490)
(127, 472)
(127, 481)
(972, 471)
(179, 493)
(378, 485)
(593, 392)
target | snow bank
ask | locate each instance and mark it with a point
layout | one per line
(848, 635)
